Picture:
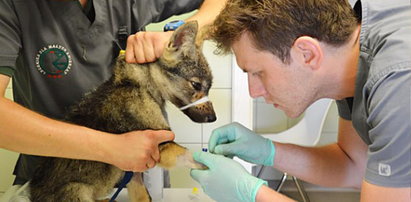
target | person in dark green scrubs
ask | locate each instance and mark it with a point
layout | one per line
(57, 50)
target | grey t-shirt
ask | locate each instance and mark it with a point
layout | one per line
(381, 108)
(56, 52)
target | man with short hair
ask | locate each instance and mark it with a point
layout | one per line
(298, 51)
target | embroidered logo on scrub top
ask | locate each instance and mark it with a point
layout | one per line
(54, 61)
(384, 169)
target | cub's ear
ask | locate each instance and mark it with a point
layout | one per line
(182, 42)
(184, 37)
(202, 35)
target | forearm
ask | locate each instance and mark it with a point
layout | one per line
(24, 131)
(266, 194)
(325, 166)
(208, 12)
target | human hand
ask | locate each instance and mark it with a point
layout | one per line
(144, 47)
(236, 140)
(138, 150)
(226, 179)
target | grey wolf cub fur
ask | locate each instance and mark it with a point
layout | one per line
(132, 99)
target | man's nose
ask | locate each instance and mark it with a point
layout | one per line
(255, 87)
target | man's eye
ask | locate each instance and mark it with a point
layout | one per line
(196, 85)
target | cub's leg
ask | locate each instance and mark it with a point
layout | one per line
(75, 192)
(172, 155)
(137, 192)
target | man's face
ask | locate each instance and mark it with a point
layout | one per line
(288, 87)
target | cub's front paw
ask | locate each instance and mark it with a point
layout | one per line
(173, 155)
(188, 161)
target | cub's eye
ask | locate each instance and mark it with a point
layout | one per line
(196, 85)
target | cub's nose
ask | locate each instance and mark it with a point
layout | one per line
(210, 118)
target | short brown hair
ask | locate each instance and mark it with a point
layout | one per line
(274, 25)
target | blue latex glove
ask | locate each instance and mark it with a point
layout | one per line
(225, 180)
(236, 140)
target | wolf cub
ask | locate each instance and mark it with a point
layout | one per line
(132, 99)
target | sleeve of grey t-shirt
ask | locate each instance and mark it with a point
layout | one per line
(389, 116)
(9, 34)
(151, 11)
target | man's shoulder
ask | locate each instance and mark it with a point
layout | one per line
(385, 41)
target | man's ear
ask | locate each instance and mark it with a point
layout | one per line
(307, 51)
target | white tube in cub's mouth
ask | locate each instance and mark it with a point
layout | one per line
(199, 101)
